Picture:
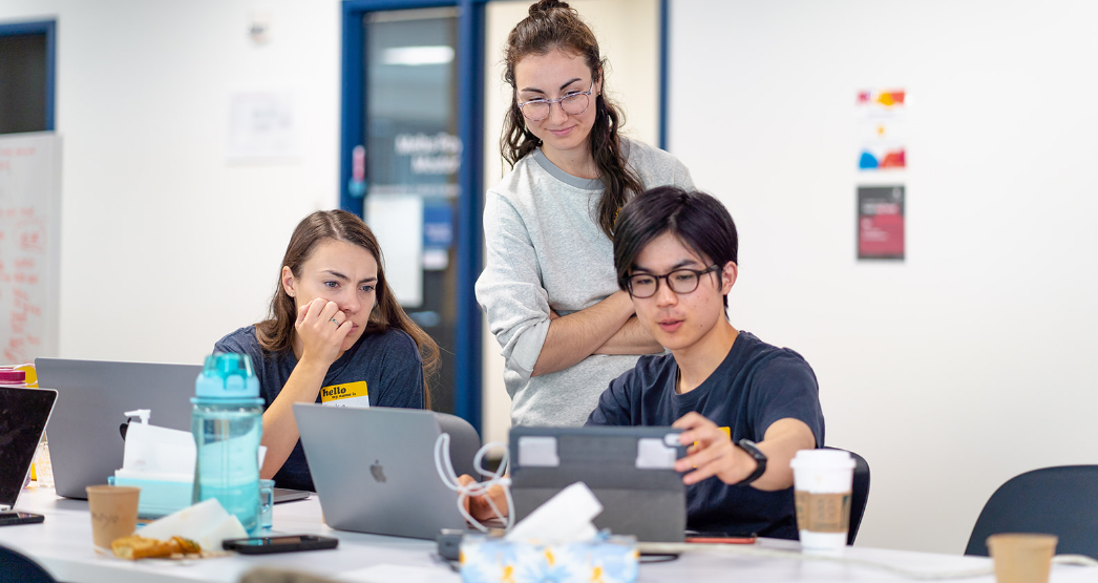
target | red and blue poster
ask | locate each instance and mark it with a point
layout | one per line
(882, 127)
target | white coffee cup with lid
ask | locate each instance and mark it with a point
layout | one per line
(823, 484)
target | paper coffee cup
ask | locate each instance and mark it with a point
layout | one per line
(822, 485)
(113, 512)
(1022, 558)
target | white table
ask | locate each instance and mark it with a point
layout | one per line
(62, 544)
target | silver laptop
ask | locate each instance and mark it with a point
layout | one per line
(85, 435)
(629, 469)
(374, 470)
(93, 395)
(23, 416)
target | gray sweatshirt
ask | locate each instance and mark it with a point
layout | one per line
(545, 251)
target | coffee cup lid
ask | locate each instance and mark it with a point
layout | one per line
(822, 458)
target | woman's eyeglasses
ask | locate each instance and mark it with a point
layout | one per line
(572, 104)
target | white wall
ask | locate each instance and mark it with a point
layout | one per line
(973, 360)
(628, 34)
(166, 246)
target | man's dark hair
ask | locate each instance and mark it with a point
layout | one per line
(696, 219)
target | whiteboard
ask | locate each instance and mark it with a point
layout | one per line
(30, 250)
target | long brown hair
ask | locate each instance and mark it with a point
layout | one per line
(553, 25)
(276, 333)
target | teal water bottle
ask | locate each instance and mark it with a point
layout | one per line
(227, 423)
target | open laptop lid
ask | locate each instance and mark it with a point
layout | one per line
(24, 413)
(86, 445)
(374, 470)
(630, 470)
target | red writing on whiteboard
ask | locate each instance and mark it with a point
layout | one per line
(32, 241)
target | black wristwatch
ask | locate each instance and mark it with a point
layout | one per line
(759, 457)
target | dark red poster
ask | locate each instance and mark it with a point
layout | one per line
(881, 222)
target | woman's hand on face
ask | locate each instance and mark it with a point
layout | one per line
(322, 328)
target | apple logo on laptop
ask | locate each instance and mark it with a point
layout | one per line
(377, 472)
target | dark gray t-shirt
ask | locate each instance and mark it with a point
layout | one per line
(756, 385)
(389, 363)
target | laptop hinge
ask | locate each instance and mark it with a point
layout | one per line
(4, 508)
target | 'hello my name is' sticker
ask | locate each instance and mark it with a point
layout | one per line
(346, 395)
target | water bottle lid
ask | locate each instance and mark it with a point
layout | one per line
(10, 376)
(227, 375)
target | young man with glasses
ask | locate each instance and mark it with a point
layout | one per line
(745, 406)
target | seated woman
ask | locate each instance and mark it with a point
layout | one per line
(335, 335)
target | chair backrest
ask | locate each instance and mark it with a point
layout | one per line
(1058, 500)
(464, 442)
(16, 567)
(859, 494)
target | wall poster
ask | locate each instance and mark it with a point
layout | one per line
(882, 130)
(881, 222)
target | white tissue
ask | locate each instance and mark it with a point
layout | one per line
(564, 518)
(206, 523)
(158, 453)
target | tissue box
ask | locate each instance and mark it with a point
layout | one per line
(158, 497)
(607, 559)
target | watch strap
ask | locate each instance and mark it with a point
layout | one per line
(760, 460)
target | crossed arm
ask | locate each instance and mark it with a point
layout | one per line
(608, 327)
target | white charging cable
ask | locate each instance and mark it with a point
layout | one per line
(499, 478)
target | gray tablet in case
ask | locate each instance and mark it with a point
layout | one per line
(630, 470)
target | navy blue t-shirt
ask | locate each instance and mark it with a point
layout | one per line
(389, 363)
(756, 385)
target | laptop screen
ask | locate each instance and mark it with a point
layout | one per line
(23, 416)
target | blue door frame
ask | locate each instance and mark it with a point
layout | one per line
(470, 56)
(48, 28)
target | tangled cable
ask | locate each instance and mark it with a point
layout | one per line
(445, 469)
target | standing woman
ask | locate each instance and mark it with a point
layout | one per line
(549, 286)
(333, 322)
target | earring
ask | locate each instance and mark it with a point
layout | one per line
(291, 294)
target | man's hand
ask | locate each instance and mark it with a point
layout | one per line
(478, 506)
(711, 452)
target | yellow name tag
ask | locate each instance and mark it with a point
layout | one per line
(346, 395)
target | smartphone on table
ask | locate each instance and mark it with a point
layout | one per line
(283, 543)
(10, 517)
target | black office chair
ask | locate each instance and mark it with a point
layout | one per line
(464, 442)
(16, 567)
(859, 494)
(1059, 500)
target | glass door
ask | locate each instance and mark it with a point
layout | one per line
(408, 168)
